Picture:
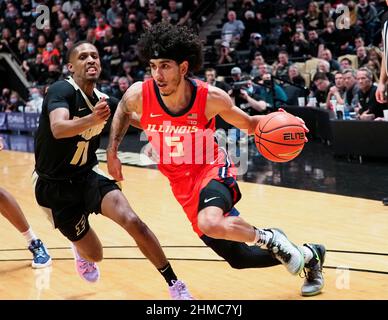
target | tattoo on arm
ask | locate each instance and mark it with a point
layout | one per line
(119, 126)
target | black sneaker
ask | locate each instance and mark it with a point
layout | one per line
(314, 282)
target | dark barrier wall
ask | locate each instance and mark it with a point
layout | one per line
(19, 121)
(360, 138)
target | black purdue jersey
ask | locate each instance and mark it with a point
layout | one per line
(67, 158)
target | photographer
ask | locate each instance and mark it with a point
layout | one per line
(243, 94)
(247, 92)
(269, 91)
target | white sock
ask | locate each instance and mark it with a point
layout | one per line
(74, 249)
(262, 237)
(29, 235)
(307, 254)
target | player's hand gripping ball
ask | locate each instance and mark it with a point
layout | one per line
(280, 136)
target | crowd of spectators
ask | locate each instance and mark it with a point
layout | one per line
(112, 26)
(273, 42)
(263, 43)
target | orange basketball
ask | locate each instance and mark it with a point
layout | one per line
(279, 136)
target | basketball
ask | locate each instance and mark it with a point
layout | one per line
(279, 136)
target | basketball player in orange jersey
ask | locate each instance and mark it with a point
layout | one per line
(177, 113)
(11, 210)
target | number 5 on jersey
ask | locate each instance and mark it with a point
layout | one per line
(174, 142)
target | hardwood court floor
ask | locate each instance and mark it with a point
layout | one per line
(354, 231)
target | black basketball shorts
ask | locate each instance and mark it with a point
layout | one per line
(69, 203)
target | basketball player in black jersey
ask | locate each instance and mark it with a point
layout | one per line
(68, 182)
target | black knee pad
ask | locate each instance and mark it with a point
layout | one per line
(215, 194)
(239, 255)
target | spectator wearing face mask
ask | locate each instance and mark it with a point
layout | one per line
(48, 53)
(31, 50)
(30, 57)
(35, 102)
(299, 27)
(14, 103)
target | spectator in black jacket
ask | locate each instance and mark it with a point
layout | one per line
(38, 71)
(369, 108)
(211, 78)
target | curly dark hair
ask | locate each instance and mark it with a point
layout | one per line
(178, 43)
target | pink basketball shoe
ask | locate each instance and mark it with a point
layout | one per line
(179, 291)
(87, 270)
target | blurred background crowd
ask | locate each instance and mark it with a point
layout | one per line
(264, 53)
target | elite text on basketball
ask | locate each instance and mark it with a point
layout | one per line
(293, 136)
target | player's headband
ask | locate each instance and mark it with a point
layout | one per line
(164, 53)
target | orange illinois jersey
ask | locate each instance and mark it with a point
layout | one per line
(189, 155)
(184, 141)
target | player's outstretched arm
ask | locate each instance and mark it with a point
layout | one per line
(128, 105)
(64, 127)
(219, 103)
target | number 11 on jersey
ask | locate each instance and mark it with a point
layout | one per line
(82, 151)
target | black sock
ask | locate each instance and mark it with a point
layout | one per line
(168, 274)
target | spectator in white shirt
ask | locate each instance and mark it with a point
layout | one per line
(35, 102)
